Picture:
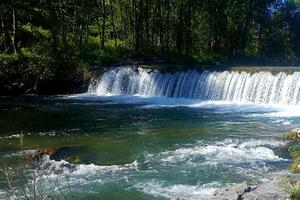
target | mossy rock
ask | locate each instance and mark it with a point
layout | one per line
(295, 153)
(75, 159)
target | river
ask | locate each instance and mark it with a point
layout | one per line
(142, 134)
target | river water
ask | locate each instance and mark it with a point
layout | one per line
(132, 146)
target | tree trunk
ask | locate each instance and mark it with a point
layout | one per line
(168, 31)
(103, 24)
(3, 31)
(113, 22)
(13, 32)
(180, 28)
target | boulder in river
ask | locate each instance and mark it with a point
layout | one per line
(75, 155)
(74, 159)
(50, 151)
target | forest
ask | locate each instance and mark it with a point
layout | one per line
(54, 41)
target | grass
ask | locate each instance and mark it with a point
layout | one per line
(292, 187)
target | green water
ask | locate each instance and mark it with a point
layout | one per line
(147, 149)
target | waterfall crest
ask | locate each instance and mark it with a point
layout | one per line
(241, 87)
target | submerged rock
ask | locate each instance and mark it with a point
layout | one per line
(74, 159)
(73, 155)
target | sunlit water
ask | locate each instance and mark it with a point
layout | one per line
(133, 147)
(142, 134)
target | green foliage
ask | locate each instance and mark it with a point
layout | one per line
(38, 32)
(49, 39)
(292, 187)
(295, 153)
(26, 62)
(266, 28)
(295, 194)
(7, 59)
(292, 136)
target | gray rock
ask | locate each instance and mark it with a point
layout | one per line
(270, 190)
(230, 193)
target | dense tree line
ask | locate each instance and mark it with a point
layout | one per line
(46, 37)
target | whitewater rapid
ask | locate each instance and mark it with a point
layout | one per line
(249, 158)
(231, 86)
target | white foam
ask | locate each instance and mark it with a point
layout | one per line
(222, 106)
(226, 151)
(255, 143)
(201, 191)
(63, 174)
(283, 121)
(260, 87)
(146, 101)
(250, 109)
(285, 112)
(14, 136)
(53, 167)
(92, 168)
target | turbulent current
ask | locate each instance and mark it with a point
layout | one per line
(241, 87)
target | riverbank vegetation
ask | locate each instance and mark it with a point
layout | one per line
(292, 187)
(45, 42)
(293, 138)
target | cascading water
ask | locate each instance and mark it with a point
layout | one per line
(241, 87)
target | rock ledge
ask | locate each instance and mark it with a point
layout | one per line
(269, 190)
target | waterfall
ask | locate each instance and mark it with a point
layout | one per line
(241, 87)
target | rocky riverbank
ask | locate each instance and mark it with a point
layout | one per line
(273, 189)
